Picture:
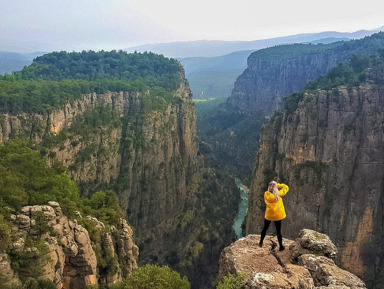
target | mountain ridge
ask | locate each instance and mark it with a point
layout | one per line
(213, 48)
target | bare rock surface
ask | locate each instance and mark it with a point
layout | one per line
(312, 241)
(72, 259)
(266, 267)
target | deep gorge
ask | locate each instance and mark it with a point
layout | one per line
(140, 142)
(126, 132)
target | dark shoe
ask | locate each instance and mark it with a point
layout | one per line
(282, 248)
(261, 244)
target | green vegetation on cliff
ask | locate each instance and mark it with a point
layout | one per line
(25, 179)
(32, 283)
(232, 282)
(40, 96)
(57, 78)
(350, 73)
(346, 73)
(368, 45)
(152, 276)
(156, 70)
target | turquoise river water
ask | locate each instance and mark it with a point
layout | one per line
(243, 206)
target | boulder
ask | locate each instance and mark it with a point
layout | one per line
(312, 242)
(266, 267)
(326, 273)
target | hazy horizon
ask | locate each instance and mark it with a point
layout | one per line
(46, 25)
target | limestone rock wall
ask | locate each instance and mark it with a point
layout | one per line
(330, 152)
(274, 72)
(262, 86)
(139, 145)
(71, 258)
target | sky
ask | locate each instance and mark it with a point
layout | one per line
(44, 25)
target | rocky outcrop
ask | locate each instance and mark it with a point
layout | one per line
(302, 265)
(310, 241)
(7, 275)
(70, 258)
(274, 72)
(138, 144)
(330, 152)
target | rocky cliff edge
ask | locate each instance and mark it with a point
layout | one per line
(307, 262)
(71, 258)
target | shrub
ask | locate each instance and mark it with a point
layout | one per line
(155, 277)
(232, 282)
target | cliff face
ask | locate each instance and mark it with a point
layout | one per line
(265, 82)
(330, 152)
(274, 72)
(135, 143)
(306, 263)
(69, 258)
(145, 149)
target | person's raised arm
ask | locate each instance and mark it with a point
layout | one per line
(283, 189)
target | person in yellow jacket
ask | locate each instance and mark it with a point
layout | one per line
(275, 210)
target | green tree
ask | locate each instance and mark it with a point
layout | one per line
(39, 283)
(232, 282)
(30, 262)
(41, 223)
(104, 206)
(155, 277)
(5, 233)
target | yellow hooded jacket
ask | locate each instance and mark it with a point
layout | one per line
(275, 209)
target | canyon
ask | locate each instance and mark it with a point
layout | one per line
(177, 192)
(141, 144)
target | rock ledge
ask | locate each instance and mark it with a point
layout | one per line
(306, 263)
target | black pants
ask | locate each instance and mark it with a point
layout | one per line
(278, 231)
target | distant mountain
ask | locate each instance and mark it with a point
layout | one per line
(327, 40)
(10, 61)
(212, 67)
(214, 76)
(211, 48)
(230, 61)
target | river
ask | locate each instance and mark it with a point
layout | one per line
(243, 206)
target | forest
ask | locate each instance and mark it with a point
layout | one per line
(54, 79)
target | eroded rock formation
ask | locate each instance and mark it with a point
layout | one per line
(70, 258)
(302, 265)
